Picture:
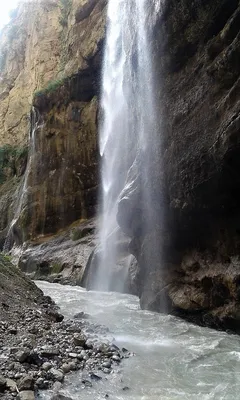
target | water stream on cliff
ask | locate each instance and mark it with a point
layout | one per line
(12, 231)
(174, 360)
(128, 115)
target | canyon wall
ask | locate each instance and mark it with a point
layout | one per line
(50, 60)
(51, 53)
(192, 255)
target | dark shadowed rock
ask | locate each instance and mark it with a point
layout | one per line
(3, 383)
(188, 261)
(26, 383)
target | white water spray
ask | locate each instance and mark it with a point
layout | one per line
(128, 118)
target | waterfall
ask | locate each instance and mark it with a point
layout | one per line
(127, 118)
(12, 230)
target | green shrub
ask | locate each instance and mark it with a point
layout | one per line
(56, 268)
(52, 86)
(79, 233)
(8, 157)
(5, 257)
(21, 152)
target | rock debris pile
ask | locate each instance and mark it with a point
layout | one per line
(36, 353)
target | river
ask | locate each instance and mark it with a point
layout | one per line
(174, 359)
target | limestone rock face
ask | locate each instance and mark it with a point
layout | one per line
(50, 58)
(62, 183)
(189, 261)
(26, 44)
(44, 42)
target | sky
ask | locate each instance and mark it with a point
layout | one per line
(5, 7)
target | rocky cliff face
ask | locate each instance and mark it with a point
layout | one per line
(46, 41)
(196, 272)
(50, 58)
(188, 263)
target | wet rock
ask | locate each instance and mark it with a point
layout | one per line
(116, 358)
(86, 382)
(106, 364)
(56, 387)
(49, 352)
(95, 377)
(11, 385)
(56, 374)
(46, 366)
(79, 340)
(89, 344)
(73, 355)
(26, 383)
(81, 315)
(60, 396)
(104, 348)
(40, 383)
(22, 355)
(66, 368)
(3, 383)
(106, 370)
(26, 395)
(55, 316)
(27, 362)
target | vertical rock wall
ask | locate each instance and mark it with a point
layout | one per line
(193, 267)
(50, 56)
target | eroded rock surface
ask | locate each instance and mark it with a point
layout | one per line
(188, 262)
(61, 179)
(196, 48)
(44, 42)
(61, 258)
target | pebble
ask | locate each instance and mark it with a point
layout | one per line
(26, 395)
(22, 355)
(56, 375)
(72, 355)
(79, 340)
(87, 383)
(49, 352)
(95, 377)
(116, 358)
(26, 383)
(106, 370)
(66, 368)
(40, 361)
(106, 364)
(11, 385)
(40, 383)
(46, 366)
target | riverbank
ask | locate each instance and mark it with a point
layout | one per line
(38, 347)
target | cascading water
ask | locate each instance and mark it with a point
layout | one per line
(128, 118)
(12, 231)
